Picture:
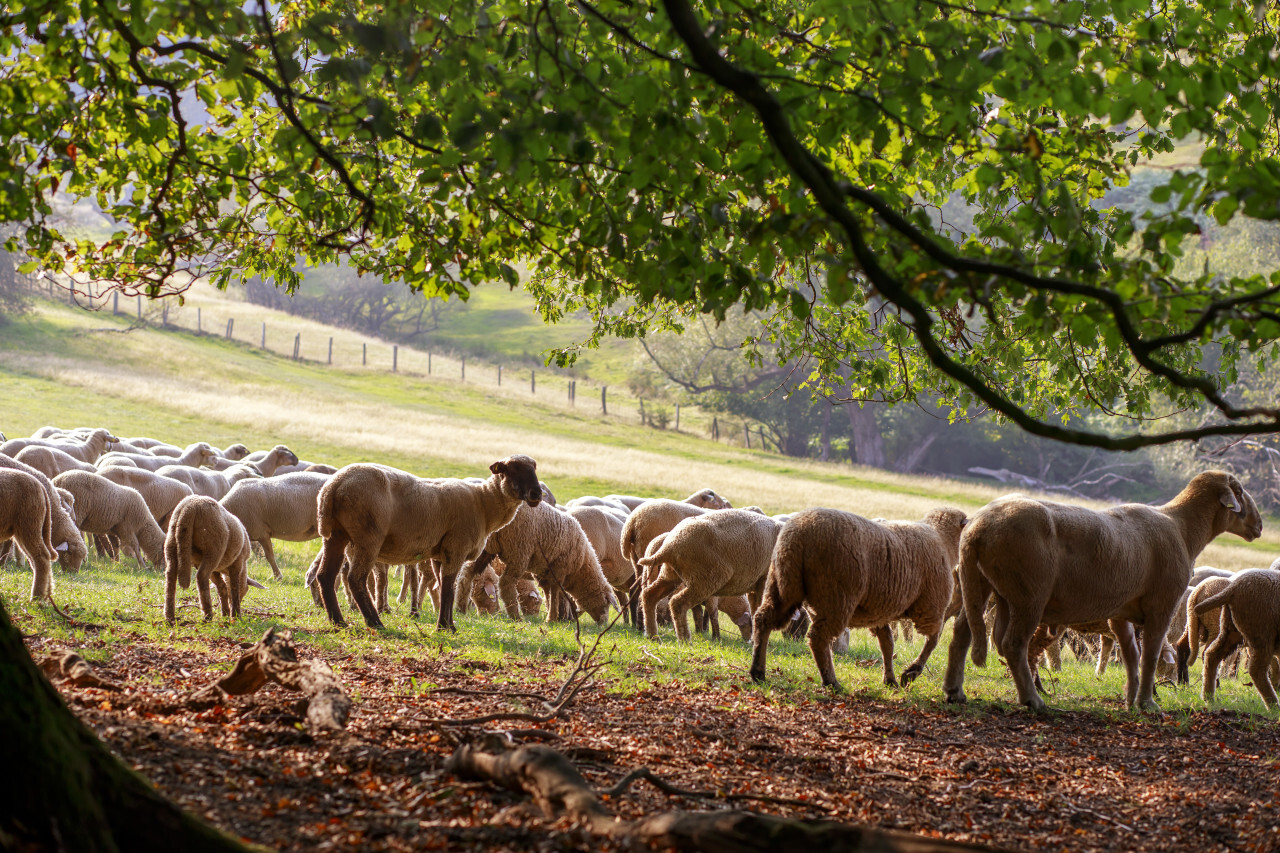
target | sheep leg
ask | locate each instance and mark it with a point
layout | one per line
(270, 553)
(884, 634)
(681, 601)
(202, 588)
(699, 618)
(330, 560)
(713, 616)
(450, 566)
(360, 566)
(1224, 644)
(1104, 656)
(408, 581)
(381, 579)
(1017, 639)
(916, 667)
(661, 587)
(822, 633)
(1183, 650)
(1260, 670)
(509, 592)
(224, 594)
(170, 591)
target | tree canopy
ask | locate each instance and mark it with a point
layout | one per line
(653, 162)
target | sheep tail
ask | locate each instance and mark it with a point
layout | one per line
(784, 584)
(1192, 633)
(324, 510)
(1218, 599)
(47, 526)
(629, 542)
(657, 558)
(973, 589)
(181, 550)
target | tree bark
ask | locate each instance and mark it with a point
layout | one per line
(64, 790)
(868, 443)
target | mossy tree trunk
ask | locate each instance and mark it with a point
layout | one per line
(62, 789)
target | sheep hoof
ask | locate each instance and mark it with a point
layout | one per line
(1149, 707)
(1037, 705)
(956, 697)
(757, 675)
(835, 686)
(909, 676)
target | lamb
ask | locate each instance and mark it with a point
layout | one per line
(719, 553)
(162, 494)
(856, 573)
(281, 507)
(372, 512)
(103, 507)
(211, 484)
(66, 535)
(1250, 612)
(195, 456)
(1060, 564)
(204, 535)
(51, 461)
(26, 517)
(86, 449)
(552, 547)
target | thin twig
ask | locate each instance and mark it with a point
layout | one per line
(667, 788)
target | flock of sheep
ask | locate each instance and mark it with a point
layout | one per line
(1026, 570)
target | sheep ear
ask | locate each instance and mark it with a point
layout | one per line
(1230, 501)
(499, 467)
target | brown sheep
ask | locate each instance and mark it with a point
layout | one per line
(371, 512)
(204, 535)
(856, 573)
(1061, 565)
(66, 536)
(1250, 613)
(26, 517)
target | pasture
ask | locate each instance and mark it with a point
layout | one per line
(1089, 775)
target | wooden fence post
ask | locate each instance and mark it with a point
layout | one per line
(761, 431)
(428, 362)
(642, 419)
(297, 345)
(115, 303)
(231, 322)
(499, 375)
(395, 358)
(464, 368)
(364, 354)
(604, 403)
(331, 349)
(715, 428)
(139, 304)
(533, 383)
(746, 434)
(677, 417)
(199, 329)
(164, 316)
(264, 334)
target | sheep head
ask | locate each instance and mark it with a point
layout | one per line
(1238, 513)
(285, 455)
(708, 499)
(207, 458)
(235, 452)
(518, 477)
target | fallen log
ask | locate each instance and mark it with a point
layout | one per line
(274, 658)
(559, 789)
(75, 669)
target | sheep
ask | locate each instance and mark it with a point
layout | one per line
(66, 535)
(372, 512)
(86, 449)
(856, 573)
(281, 507)
(604, 531)
(1250, 612)
(204, 535)
(162, 494)
(26, 517)
(1201, 627)
(1060, 564)
(195, 456)
(600, 503)
(643, 525)
(102, 506)
(719, 553)
(211, 484)
(552, 547)
(267, 461)
(51, 461)
(739, 610)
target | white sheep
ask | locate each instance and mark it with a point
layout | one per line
(196, 455)
(88, 448)
(108, 509)
(1061, 565)
(161, 493)
(719, 553)
(51, 461)
(550, 546)
(211, 484)
(604, 531)
(26, 517)
(66, 536)
(852, 572)
(371, 512)
(282, 507)
(205, 536)
(645, 523)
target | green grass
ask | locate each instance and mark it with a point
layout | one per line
(128, 603)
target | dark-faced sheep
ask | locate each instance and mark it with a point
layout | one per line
(1062, 565)
(852, 572)
(371, 512)
(204, 535)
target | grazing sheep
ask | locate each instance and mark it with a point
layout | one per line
(211, 484)
(66, 536)
(195, 456)
(549, 545)
(645, 523)
(51, 461)
(604, 532)
(371, 512)
(26, 517)
(1061, 565)
(599, 503)
(282, 507)
(1250, 612)
(856, 573)
(162, 494)
(1202, 628)
(719, 553)
(737, 608)
(204, 535)
(105, 508)
(86, 449)
(269, 462)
